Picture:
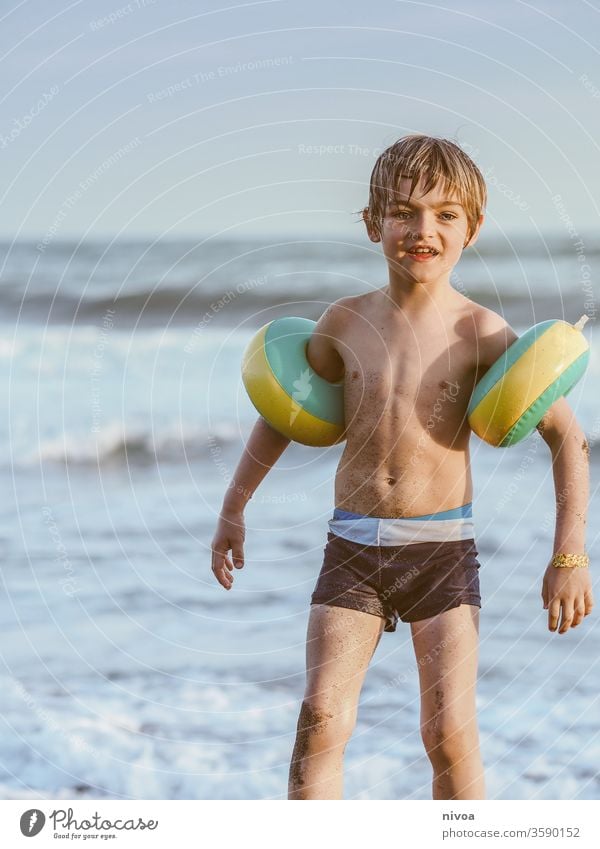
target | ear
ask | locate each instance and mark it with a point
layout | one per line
(372, 233)
(475, 235)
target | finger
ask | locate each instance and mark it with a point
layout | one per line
(221, 558)
(224, 578)
(219, 567)
(567, 617)
(578, 616)
(238, 557)
(589, 602)
(553, 615)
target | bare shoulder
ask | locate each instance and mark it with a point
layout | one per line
(335, 318)
(493, 334)
(347, 307)
(322, 351)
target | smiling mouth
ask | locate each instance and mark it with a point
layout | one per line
(422, 251)
(421, 254)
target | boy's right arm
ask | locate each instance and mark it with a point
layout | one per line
(263, 449)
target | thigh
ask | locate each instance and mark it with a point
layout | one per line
(446, 650)
(340, 643)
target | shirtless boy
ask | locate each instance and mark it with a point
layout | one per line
(401, 542)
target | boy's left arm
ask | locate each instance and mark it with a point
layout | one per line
(567, 591)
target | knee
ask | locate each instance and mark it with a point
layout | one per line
(448, 741)
(325, 722)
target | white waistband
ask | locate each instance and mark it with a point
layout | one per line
(369, 530)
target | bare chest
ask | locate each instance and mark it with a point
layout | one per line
(408, 375)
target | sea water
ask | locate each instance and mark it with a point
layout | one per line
(127, 671)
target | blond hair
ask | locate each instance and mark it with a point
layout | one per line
(432, 160)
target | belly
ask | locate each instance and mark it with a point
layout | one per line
(406, 460)
(410, 491)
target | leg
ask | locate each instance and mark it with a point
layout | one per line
(339, 646)
(446, 648)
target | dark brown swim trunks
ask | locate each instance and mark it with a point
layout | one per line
(410, 582)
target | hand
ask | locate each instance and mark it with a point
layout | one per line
(567, 590)
(229, 536)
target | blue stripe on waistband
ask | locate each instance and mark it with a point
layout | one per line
(466, 511)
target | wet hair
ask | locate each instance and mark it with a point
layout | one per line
(433, 160)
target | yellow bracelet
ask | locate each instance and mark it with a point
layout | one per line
(570, 560)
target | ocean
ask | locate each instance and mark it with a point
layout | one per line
(127, 671)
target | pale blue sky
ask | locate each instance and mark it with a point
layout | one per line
(210, 147)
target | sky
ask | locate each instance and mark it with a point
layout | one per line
(266, 118)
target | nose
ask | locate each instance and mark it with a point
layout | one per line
(422, 225)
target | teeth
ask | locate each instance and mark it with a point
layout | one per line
(422, 251)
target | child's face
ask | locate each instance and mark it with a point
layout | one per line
(436, 219)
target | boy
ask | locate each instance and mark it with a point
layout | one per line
(401, 539)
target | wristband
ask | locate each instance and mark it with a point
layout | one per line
(570, 560)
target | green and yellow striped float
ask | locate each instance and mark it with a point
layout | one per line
(286, 391)
(542, 365)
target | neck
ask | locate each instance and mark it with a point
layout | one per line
(413, 296)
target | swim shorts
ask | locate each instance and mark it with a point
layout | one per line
(408, 568)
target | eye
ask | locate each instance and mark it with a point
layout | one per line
(451, 218)
(400, 214)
